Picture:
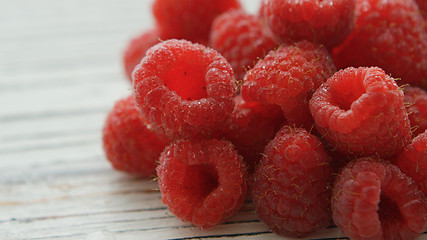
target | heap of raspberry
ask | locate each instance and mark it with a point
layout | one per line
(251, 127)
(413, 161)
(287, 77)
(202, 182)
(129, 143)
(360, 111)
(241, 39)
(185, 89)
(390, 35)
(136, 49)
(189, 19)
(375, 200)
(292, 182)
(324, 22)
(416, 102)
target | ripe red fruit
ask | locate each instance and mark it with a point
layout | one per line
(292, 183)
(251, 127)
(390, 35)
(185, 89)
(422, 5)
(202, 182)
(287, 77)
(136, 49)
(416, 106)
(324, 22)
(241, 38)
(413, 161)
(375, 200)
(129, 143)
(189, 19)
(360, 112)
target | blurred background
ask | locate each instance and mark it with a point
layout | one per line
(60, 73)
(48, 48)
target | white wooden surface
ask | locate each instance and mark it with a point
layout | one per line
(60, 72)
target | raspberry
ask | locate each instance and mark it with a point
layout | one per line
(287, 77)
(324, 22)
(416, 101)
(189, 19)
(375, 200)
(251, 127)
(413, 161)
(136, 49)
(390, 35)
(360, 112)
(202, 182)
(292, 181)
(186, 89)
(129, 143)
(240, 38)
(422, 5)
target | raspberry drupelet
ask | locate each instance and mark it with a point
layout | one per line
(422, 5)
(287, 77)
(413, 161)
(185, 89)
(324, 22)
(416, 106)
(129, 143)
(202, 182)
(390, 35)
(292, 183)
(136, 49)
(360, 111)
(241, 38)
(375, 200)
(189, 19)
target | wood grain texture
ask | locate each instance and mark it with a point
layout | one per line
(60, 73)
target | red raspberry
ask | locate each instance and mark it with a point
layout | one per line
(189, 19)
(287, 77)
(422, 5)
(390, 35)
(185, 89)
(251, 127)
(202, 183)
(375, 200)
(136, 49)
(416, 101)
(240, 38)
(325, 22)
(361, 112)
(129, 143)
(413, 161)
(292, 182)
